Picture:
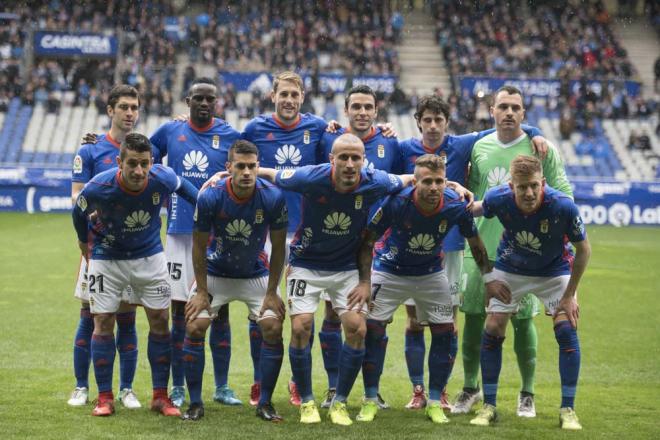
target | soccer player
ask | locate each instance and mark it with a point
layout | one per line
(490, 160)
(381, 153)
(126, 250)
(533, 256)
(408, 264)
(195, 149)
(286, 140)
(123, 109)
(432, 118)
(238, 213)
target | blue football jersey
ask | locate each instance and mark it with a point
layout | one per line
(535, 244)
(193, 153)
(239, 227)
(285, 147)
(381, 153)
(128, 223)
(332, 222)
(411, 242)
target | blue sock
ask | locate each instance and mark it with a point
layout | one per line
(440, 359)
(220, 342)
(569, 362)
(159, 352)
(127, 348)
(103, 356)
(270, 364)
(415, 349)
(82, 348)
(491, 364)
(301, 368)
(256, 340)
(178, 334)
(372, 366)
(330, 339)
(193, 364)
(350, 362)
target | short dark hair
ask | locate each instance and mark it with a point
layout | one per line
(362, 88)
(134, 142)
(434, 104)
(242, 146)
(431, 161)
(121, 90)
(201, 80)
(511, 90)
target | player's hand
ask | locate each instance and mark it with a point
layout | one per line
(463, 193)
(333, 127)
(272, 301)
(196, 305)
(83, 251)
(540, 146)
(89, 138)
(359, 296)
(569, 306)
(181, 118)
(498, 289)
(214, 179)
(387, 129)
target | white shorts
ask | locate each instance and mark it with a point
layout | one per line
(548, 289)
(178, 250)
(453, 266)
(250, 291)
(305, 286)
(430, 294)
(148, 277)
(82, 293)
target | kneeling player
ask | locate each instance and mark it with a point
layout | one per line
(239, 212)
(127, 251)
(408, 264)
(533, 256)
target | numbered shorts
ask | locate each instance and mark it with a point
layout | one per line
(547, 289)
(148, 277)
(178, 250)
(453, 266)
(430, 294)
(82, 293)
(250, 291)
(305, 286)
(473, 293)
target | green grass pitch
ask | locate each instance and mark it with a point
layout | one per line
(617, 394)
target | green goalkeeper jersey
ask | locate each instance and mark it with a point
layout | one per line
(490, 162)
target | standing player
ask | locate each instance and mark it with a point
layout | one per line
(337, 200)
(286, 140)
(238, 212)
(533, 256)
(123, 109)
(432, 118)
(408, 264)
(195, 149)
(381, 153)
(490, 160)
(126, 250)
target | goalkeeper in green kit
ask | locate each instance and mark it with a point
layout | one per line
(490, 161)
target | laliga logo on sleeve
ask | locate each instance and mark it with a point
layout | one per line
(77, 165)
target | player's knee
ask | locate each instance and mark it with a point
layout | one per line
(104, 323)
(496, 323)
(197, 328)
(301, 329)
(158, 320)
(271, 329)
(355, 330)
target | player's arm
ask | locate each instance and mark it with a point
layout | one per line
(362, 292)
(568, 303)
(554, 172)
(80, 220)
(463, 193)
(477, 208)
(187, 191)
(76, 187)
(200, 301)
(480, 254)
(273, 301)
(267, 173)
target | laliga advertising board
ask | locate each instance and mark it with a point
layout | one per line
(600, 202)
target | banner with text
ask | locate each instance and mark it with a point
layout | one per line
(64, 44)
(250, 81)
(540, 88)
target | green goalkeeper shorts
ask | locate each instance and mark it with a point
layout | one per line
(472, 294)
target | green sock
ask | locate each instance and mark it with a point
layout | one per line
(525, 343)
(471, 347)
